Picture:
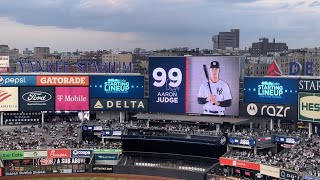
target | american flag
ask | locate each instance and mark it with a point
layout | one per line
(4, 95)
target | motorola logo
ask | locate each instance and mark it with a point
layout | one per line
(269, 110)
(252, 109)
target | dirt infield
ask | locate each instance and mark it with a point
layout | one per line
(125, 176)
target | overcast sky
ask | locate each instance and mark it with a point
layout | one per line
(67, 25)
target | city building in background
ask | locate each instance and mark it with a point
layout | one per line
(127, 58)
(263, 47)
(4, 50)
(27, 52)
(226, 39)
(41, 50)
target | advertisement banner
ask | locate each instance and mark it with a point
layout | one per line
(309, 106)
(82, 153)
(308, 177)
(45, 161)
(35, 154)
(167, 84)
(117, 86)
(36, 99)
(102, 169)
(288, 175)
(309, 85)
(9, 100)
(4, 61)
(18, 81)
(270, 171)
(240, 164)
(107, 157)
(285, 112)
(286, 140)
(72, 98)
(103, 151)
(111, 133)
(20, 173)
(270, 90)
(58, 153)
(243, 142)
(130, 105)
(11, 155)
(223, 74)
(63, 81)
(4, 69)
(65, 171)
(26, 116)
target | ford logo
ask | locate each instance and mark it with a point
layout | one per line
(36, 96)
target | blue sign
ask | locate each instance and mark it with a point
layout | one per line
(308, 177)
(18, 80)
(106, 156)
(167, 84)
(111, 133)
(87, 128)
(116, 87)
(286, 140)
(270, 90)
(243, 142)
(81, 153)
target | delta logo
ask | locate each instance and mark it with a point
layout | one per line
(274, 69)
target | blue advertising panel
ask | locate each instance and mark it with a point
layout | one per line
(270, 90)
(81, 153)
(167, 84)
(286, 140)
(36, 98)
(18, 81)
(116, 86)
(243, 142)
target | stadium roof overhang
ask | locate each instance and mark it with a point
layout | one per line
(192, 118)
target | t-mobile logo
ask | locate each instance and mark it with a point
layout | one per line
(60, 97)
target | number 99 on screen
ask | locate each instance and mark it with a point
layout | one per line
(160, 76)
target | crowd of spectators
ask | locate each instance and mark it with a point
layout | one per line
(302, 157)
(165, 129)
(55, 134)
(255, 133)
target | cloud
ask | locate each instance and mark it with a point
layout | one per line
(20, 36)
(106, 6)
(158, 23)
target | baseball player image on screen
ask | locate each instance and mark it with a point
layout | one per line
(215, 94)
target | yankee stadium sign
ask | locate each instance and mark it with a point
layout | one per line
(64, 66)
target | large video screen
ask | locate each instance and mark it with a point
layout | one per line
(36, 98)
(117, 86)
(72, 98)
(270, 90)
(167, 84)
(9, 99)
(213, 85)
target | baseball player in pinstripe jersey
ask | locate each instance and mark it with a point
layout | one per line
(214, 103)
